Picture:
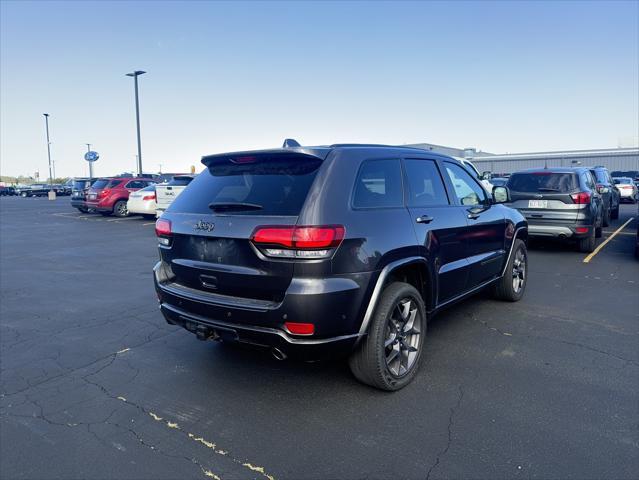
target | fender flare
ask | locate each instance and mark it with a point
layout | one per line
(379, 284)
(512, 245)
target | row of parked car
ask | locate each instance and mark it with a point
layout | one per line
(124, 196)
(37, 190)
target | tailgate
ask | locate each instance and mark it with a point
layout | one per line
(165, 194)
(213, 220)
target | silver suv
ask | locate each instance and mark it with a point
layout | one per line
(559, 202)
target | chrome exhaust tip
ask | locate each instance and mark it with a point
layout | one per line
(278, 354)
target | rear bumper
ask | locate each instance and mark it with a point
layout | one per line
(558, 231)
(335, 307)
(261, 337)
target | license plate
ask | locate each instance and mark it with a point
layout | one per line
(537, 203)
(92, 197)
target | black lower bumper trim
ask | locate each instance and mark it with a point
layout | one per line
(298, 348)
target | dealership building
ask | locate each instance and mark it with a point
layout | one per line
(615, 159)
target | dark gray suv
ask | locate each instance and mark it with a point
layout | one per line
(312, 252)
(559, 202)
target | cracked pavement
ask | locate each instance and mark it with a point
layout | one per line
(94, 383)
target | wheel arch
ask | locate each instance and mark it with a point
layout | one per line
(412, 270)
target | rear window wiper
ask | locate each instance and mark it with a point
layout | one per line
(547, 189)
(227, 206)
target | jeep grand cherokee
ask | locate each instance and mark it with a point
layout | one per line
(316, 251)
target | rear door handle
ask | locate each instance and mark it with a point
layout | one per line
(424, 219)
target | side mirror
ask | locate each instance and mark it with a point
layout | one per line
(486, 176)
(501, 195)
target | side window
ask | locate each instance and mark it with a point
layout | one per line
(378, 184)
(425, 184)
(467, 190)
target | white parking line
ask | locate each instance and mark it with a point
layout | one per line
(603, 244)
(122, 218)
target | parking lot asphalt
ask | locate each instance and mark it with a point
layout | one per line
(95, 384)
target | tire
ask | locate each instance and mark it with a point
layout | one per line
(587, 245)
(120, 209)
(512, 285)
(400, 304)
(24, 195)
(614, 214)
(606, 218)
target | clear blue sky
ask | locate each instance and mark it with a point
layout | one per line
(502, 77)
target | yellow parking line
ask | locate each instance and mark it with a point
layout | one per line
(603, 244)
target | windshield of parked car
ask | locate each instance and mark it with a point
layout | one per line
(600, 175)
(277, 184)
(180, 181)
(623, 181)
(542, 181)
(101, 183)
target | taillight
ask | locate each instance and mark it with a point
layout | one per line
(104, 193)
(163, 230)
(298, 242)
(149, 197)
(300, 328)
(581, 198)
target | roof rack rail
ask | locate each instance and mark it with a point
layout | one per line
(289, 142)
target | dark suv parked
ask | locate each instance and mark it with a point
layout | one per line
(559, 202)
(609, 194)
(316, 251)
(79, 192)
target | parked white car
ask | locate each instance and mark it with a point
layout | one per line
(142, 202)
(167, 192)
(627, 189)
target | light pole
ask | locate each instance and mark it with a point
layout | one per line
(51, 192)
(90, 163)
(135, 76)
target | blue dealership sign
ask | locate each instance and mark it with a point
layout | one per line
(91, 156)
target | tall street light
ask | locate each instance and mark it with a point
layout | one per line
(135, 76)
(46, 121)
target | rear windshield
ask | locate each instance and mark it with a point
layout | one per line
(543, 182)
(80, 184)
(623, 181)
(101, 183)
(180, 181)
(261, 185)
(600, 175)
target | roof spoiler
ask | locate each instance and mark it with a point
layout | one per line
(289, 142)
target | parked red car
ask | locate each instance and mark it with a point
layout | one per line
(109, 195)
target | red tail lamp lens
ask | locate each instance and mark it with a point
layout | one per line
(149, 197)
(300, 328)
(581, 198)
(162, 227)
(300, 238)
(581, 229)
